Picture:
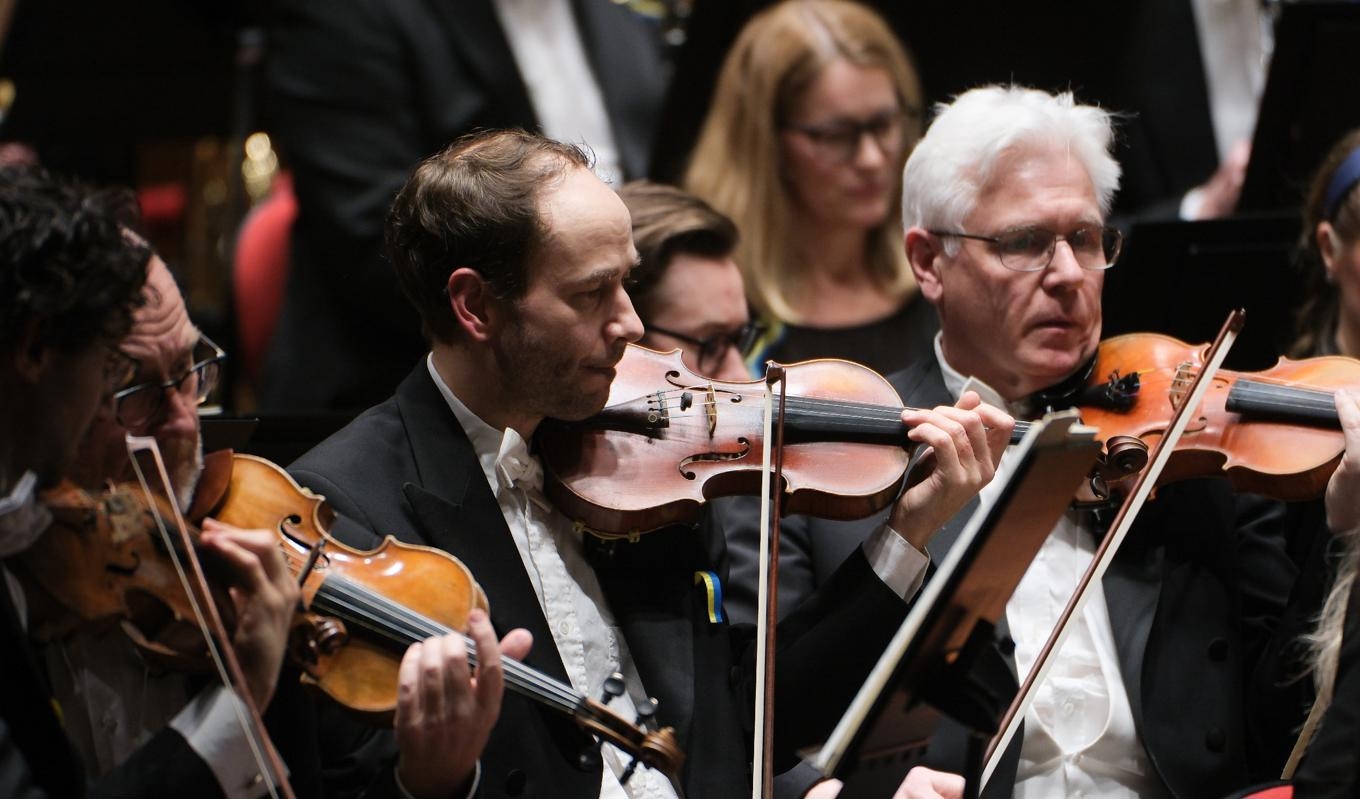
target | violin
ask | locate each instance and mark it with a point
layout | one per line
(101, 562)
(1273, 432)
(668, 440)
(369, 607)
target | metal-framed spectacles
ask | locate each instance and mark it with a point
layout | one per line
(1031, 249)
(137, 405)
(710, 351)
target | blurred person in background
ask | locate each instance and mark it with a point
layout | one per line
(815, 112)
(361, 91)
(687, 288)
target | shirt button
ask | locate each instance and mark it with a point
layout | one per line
(1068, 707)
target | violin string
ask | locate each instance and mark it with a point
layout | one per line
(365, 602)
(382, 616)
(809, 409)
(1284, 397)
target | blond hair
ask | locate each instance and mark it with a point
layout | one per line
(736, 163)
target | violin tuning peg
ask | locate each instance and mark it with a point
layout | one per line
(628, 772)
(646, 714)
(613, 686)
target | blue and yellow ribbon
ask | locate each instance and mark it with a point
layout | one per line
(713, 587)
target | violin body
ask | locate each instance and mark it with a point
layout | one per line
(669, 440)
(366, 608)
(1273, 433)
(103, 562)
(355, 669)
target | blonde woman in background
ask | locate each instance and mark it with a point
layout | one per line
(816, 109)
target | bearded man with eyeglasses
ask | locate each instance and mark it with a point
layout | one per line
(148, 732)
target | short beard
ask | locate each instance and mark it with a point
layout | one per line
(185, 482)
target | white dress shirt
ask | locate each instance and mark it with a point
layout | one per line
(1235, 41)
(583, 629)
(566, 97)
(1080, 741)
(582, 626)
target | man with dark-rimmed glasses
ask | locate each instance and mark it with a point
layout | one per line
(686, 288)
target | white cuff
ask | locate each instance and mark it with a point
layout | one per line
(901, 566)
(471, 791)
(1190, 203)
(213, 729)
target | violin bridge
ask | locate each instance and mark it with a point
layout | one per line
(1180, 384)
(711, 409)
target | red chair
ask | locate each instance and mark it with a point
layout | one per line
(260, 273)
(1274, 790)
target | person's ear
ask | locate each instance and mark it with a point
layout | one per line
(31, 352)
(474, 308)
(1329, 246)
(924, 252)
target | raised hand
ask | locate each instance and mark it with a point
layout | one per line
(445, 710)
(966, 442)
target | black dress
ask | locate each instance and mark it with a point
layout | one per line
(887, 345)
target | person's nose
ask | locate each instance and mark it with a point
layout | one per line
(625, 324)
(731, 367)
(178, 412)
(869, 151)
(1063, 270)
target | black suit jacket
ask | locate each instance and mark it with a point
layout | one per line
(360, 92)
(406, 468)
(1192, 596)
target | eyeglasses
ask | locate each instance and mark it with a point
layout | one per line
(839, 140)
(712, 349)
(1031, 249)
(137, 405)
(118, 370)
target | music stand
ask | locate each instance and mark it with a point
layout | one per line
(924, 673)
(1308, 104)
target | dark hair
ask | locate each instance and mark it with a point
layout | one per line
(667, 221)
(473, 205)
(68, 259)
(1317, 317)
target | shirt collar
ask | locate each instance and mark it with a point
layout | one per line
(505, 449)
(22, 518)
(956, 383)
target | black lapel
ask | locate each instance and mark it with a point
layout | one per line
(479, 39)
(625, 55)
(1132, 590)
(458, 513)
(654, 599)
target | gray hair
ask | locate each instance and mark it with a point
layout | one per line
(955, 160)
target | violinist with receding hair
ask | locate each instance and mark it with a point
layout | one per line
(516, 257)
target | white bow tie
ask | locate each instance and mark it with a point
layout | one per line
(518, 469)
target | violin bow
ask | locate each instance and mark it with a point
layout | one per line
(209, 619)
(767, 614)
(1119, 529)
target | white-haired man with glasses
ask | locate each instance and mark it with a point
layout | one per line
(1004, 204)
